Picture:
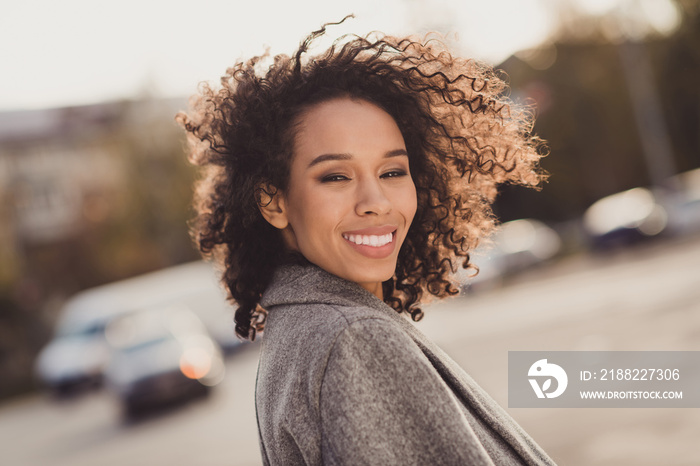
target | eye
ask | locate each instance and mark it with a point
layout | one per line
(394, 173)
(333, 177)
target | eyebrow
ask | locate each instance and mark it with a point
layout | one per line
(328, 157)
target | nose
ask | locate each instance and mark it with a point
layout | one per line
(371, 198)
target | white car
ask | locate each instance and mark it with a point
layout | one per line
(515, 246)
(78, 353)
(625, 218)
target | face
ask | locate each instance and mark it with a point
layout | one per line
(351, 198)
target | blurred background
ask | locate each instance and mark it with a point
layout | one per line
(116, 343)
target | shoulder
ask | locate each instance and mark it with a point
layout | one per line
(381, 401)
(378, 350)
(301, 339)
(371, 335)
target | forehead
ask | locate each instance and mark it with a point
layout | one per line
(344, 125)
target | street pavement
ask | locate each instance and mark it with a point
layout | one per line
(642, 298)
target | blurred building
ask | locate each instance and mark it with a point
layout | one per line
(63, 171)
(55, 175)
(84, 199)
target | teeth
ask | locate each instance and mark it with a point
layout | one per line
(370, 240)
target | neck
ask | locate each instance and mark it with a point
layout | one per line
(374, 288)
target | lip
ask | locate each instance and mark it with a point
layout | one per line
(374, 252)
(378, 231)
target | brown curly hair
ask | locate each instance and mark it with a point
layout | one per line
(462, 134)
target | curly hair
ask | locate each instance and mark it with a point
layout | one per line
(462, 134)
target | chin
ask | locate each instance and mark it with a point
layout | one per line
(374, 274)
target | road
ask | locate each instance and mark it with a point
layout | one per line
(646, 298)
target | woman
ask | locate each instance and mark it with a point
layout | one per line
(342, 190)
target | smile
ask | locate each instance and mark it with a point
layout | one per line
(376, 241)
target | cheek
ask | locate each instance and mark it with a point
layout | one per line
(409, 203)
(314, 213)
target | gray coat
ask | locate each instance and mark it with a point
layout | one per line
(345, 380)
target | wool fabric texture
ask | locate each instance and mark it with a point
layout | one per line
(343, 379)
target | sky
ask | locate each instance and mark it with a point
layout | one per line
(73, 52)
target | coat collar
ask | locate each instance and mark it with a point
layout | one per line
(310, 284)
(306, 283)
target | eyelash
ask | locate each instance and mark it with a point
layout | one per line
(332, 178)
(337, 177)
(394, 174)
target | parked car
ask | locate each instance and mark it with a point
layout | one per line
(161, 355)
(515, 246)
(624, 218)
(683, 203)
(78, 353)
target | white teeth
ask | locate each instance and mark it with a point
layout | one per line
(370, 240)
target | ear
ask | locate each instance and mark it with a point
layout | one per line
(272, 205)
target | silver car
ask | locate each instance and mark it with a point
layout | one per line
(161, 355)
